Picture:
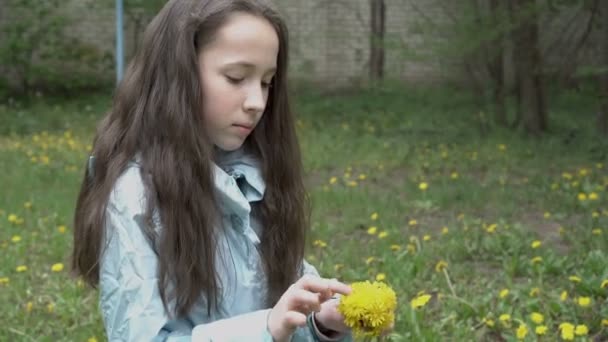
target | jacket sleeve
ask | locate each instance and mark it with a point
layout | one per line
(129, 298)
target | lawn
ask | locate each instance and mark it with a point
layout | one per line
(485, 235)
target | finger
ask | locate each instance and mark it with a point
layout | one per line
(304, 300)
(320, 285)
(295, 319)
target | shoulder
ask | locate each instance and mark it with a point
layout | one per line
(128, 194)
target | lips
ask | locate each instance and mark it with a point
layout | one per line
(243, 129)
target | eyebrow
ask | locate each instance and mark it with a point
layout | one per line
(248, 66)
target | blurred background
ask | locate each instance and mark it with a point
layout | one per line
(454, 149)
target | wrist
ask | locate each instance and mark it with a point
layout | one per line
(322, 328)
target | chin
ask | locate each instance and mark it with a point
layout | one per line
(229, 147)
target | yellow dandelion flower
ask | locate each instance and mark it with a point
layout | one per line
(12, 218)
(502, 147)
(574, 279)
(423, 186)
(369, 309)
(27, 205)
(581, 330)
(333, 180)
(488, 322)
(370, 260)
(605, 322)
(595, 214)
(491, 228)
(547, 215)
(563, 296)
(412, 222)
(537, 317)
(596, 231)
(395, 248)
(374, 216)
(503, 293)
(584, 301)
(92, 339)
(604, 284)
(582, 197)
(534, 292)
(541, 330)
(29, 306)
(522, 331)
(58, 267)
(16, 238)
(382, 234)
(536, 244)
(347, 174)
(420, 301)
(444, 231)
(4, 280)
(426, 238)
(454, 175)
(352, 183)
(504, 318)
(537, 260)
(567, 176)
(50, 307)
(362, 176)
(593, 196)
(411, 248)
(61, 229)
(21, 268)
(380, 277)
(441, 265)
(372, 230)
(567, 330)
(319, 243)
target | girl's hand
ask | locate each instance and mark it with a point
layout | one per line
(301, 299)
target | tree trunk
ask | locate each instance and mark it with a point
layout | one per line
(496, 69)
(602, 116)
(378, 23)
(529, 68)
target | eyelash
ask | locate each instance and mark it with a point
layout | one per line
(236, 81)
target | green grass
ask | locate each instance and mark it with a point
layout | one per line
(489, 196)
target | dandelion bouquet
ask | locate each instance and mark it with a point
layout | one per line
(369, 309)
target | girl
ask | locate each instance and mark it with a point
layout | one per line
(192, 215)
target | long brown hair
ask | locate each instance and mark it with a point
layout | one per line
(156, 114)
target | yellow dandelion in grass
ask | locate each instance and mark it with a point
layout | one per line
(567, 176)
(16, 239)
(426, 238)
(541, 330)
(12, 218)
(382, 234)
(333, 180)
(27, 205)
(454, 175)
(584, 301)
(583, 172)
(522, 331)
(441, 265)
(21, 268)
(535, 291)
(61, 229)
(352, 183)
(369, 260)
(420, 301)
(444, 231)
(395, 248)
(29, 306)
(604, 284)
(536, 260)
(593, 196)
(50, 307)
(412, 222)
(411, 248)
(488, 322)
(537, 317)
(319, 243)
(581, 330)
(503, 293)
(502, 147)
(362, 176)
(563, 296)
(567, 330)
(58, 267)
(536, 244)
(380, 277)
(595, 214)
(92, 339)
(605, 322)
(374, 216)
(369, 309)
(547, 215)
(372, 230)
(596, 231)
(423, 186)
(4, 280)
(491, 228)
(574, 279)
(582, 197)
(505, 319)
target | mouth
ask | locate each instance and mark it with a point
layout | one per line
(243, 129)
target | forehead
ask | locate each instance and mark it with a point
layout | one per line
(244, 38)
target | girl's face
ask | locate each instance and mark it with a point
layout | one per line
(236, 71)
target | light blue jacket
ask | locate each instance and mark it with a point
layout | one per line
(129, 298)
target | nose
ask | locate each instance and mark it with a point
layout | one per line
(255, 100)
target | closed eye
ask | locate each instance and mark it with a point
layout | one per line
(234, 80)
